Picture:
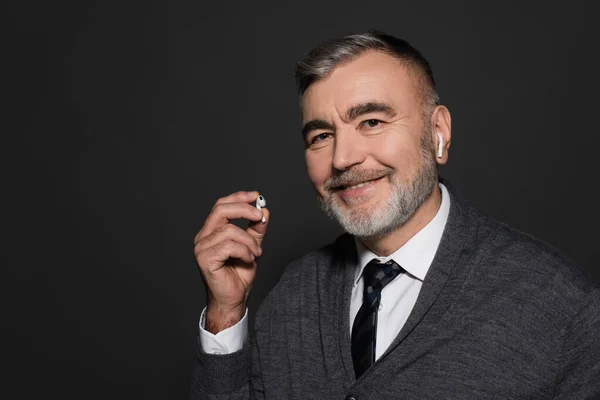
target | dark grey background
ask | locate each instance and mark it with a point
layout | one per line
(127, 121)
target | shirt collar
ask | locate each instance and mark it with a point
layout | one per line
(416, 255)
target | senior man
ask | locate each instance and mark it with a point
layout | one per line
(423, 297)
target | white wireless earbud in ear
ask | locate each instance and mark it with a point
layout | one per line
(440, 152)
(260, 203)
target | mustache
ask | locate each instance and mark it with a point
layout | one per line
(355, 176)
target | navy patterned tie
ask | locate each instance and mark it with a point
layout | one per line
(364, 330)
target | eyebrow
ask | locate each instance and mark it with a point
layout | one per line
(369, 107)
(352, 113)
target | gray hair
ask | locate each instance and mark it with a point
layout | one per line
(321, 60)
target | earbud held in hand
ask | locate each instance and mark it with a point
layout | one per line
(260, 203)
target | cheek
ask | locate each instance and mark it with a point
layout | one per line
(318, 166)
(400, 151)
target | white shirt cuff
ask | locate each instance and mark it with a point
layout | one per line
(227, 341)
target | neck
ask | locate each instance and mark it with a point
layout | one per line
(388, 244)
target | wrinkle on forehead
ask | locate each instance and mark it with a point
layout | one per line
(373, 76)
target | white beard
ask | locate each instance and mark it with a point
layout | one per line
(398, 207)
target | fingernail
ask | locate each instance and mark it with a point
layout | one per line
(257, 212)
(252, 257)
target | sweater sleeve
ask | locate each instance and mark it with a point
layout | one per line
(236, 375)
(227, 376)
(579, 369)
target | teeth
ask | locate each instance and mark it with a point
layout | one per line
(359, 185)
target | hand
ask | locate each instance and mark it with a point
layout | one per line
(226, 256)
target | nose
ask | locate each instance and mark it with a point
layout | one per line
(348, 150)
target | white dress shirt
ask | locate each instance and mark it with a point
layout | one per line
(397, 298)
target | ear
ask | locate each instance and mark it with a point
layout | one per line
(441, 122)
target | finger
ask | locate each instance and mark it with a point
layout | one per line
(238, 197)
(258, 229)
(218, 254)
(224, 212)
(229, 232)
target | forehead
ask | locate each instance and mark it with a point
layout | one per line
(373, 76)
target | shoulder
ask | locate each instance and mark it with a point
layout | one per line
(536, 270)
(522, 253)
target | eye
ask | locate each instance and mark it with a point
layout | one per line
(372, 123)
(319, 137)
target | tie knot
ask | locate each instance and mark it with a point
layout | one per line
(377, 275)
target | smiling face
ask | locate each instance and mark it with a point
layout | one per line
(369, 154)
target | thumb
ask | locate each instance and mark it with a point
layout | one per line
(258, 229)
